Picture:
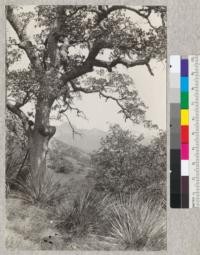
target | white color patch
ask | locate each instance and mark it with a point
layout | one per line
(184, 167)
(175, 66)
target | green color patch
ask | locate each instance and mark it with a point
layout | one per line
(184, 100)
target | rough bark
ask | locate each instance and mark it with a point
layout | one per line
(41, 133)
(38, 149)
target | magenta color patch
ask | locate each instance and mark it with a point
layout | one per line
(184, 151)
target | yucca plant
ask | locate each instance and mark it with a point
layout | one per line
(81, 216)
(136, 224)
(12, 169)
(40, 189)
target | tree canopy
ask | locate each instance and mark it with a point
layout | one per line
(77, 49)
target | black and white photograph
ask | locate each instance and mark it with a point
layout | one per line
(86, 164)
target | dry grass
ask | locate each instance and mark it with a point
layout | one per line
(30, 228)
(25, 225)
(89, 221)
(17, 241)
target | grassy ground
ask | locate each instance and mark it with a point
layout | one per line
(86, 224)
(64, 212)
(25, 225)
(32, 228)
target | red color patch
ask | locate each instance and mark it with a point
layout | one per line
(184, 134)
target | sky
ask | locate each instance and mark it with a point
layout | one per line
(151, 89)
(100, 114)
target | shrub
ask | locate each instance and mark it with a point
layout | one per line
(60, 163)
(156, 193)
(65, 169)
(124, 163)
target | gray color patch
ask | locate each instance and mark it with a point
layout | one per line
(174, 81)
(174, 95)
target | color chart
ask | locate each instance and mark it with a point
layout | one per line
(184, 131)
(184, 139)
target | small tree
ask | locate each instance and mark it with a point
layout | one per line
(71, 42)
(124, 163)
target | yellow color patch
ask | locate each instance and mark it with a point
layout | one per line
(184, 117)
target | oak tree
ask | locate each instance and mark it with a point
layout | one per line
(77, 50)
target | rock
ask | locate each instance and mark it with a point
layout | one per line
(52, 242)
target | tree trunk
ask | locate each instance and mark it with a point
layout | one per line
(40, 136)
(38, 145)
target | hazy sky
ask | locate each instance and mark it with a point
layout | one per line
(152, 90)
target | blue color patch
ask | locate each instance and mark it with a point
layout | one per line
(184, 84)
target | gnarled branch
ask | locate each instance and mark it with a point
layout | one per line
(14, 108)
(25, 42)
(127, 63)
(24, 100)
(91, 61)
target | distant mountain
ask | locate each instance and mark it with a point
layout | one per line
(88, 141)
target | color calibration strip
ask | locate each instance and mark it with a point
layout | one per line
(184, 132)
(184, 111)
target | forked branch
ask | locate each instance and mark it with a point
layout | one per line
(126, 63)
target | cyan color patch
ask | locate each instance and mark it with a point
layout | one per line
(184, 84)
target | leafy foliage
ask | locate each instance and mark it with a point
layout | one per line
(72, 42)
(22, 83)
(125, 164)
(16, 148)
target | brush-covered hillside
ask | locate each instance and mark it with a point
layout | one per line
(67, 163)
